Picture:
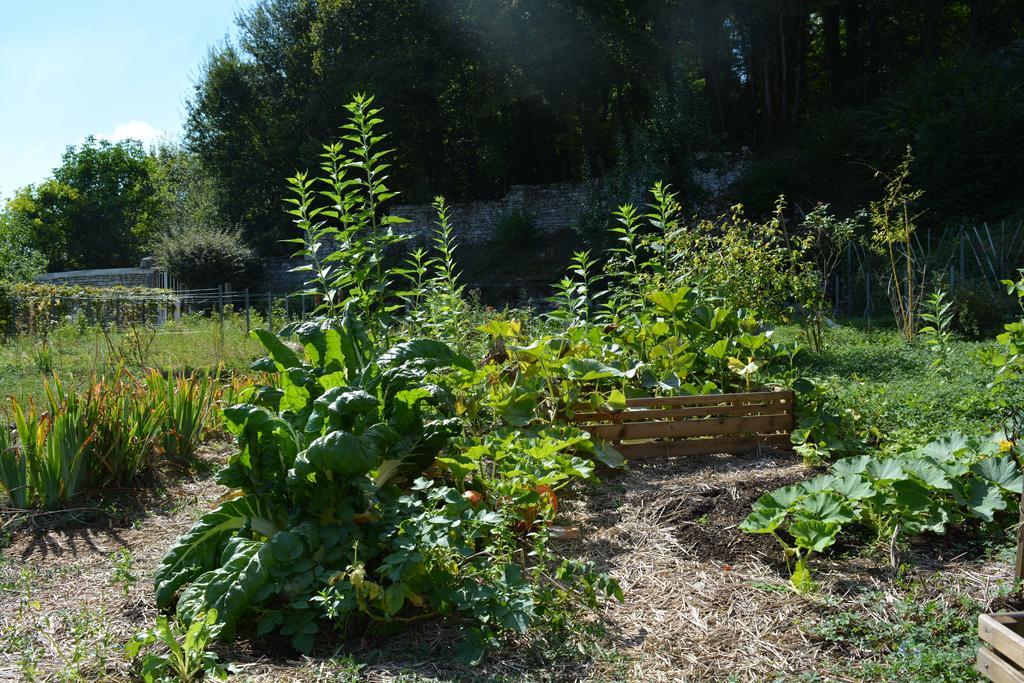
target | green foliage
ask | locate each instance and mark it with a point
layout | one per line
(1008, 362)
(331, 515)
(936, 333)
(202, 256)
(823, 428)
(925, 489)
(19, 259)
(124, 574)
(760, 266)
(434, 303)
(925, 635)
(186, 405)
(345, 205)
(107, 435)
(515, 228)
(98, 210)
(187, 658)
(37, 308)
(893, 223)
(828, 239)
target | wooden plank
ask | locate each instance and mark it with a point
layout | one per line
(708, 399)
(683, 428)
(1008, 644)
(661, 449)
(995, 668)
(694, 411)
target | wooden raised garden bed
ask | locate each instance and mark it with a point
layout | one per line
(1001, 659)
(693, 425)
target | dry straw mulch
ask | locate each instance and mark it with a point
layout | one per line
(704, 602)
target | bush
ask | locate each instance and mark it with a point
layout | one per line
(979, 310)
(202, 256)
(515, 228)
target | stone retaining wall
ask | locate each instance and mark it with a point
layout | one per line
(106, 277)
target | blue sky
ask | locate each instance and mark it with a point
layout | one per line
(109, 68)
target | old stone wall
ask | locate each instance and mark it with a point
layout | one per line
(549, 208)
(106, 277)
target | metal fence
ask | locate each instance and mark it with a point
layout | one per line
(38, 314)
(970, 255)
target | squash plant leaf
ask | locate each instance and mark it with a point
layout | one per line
(853, 487)
(763, 520)
(888, 469)
(1001, 471)
(814, 535)
(823, 507)
(852, 465)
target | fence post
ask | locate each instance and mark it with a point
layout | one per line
(220, 305)
(247, 326)
(963, 259)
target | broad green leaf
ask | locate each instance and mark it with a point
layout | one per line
(282, 356)
(930, 475)
(822, 482)
(852, 465)
(853, 487)
(981, 497)
(197, 551)
(1001, 471)
(762, 520)
(888, 469)
(823, 507)
(781, 498)
(814, 535)
(912, 496)
(588, 370)
(437, 354)
(801, 577)
(946, 447)
(336, 451)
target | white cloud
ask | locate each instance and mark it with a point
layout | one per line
(135, 130)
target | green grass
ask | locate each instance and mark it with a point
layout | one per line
(76, 353)
(893, 387)
(927, 634)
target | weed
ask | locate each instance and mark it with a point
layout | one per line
(919, 637)
(124, 574)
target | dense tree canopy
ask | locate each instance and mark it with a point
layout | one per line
(97, 210)
(480, 95)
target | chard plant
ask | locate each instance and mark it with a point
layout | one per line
(332, 515)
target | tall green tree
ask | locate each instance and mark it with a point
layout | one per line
(483, 95)
(97, 210)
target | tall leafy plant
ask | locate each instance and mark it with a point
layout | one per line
(345, 233)
(894, 221)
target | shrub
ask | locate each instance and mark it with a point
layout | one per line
(516, 228)
(979, 310)
(203, 257)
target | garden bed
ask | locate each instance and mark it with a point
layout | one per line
(703, 600)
